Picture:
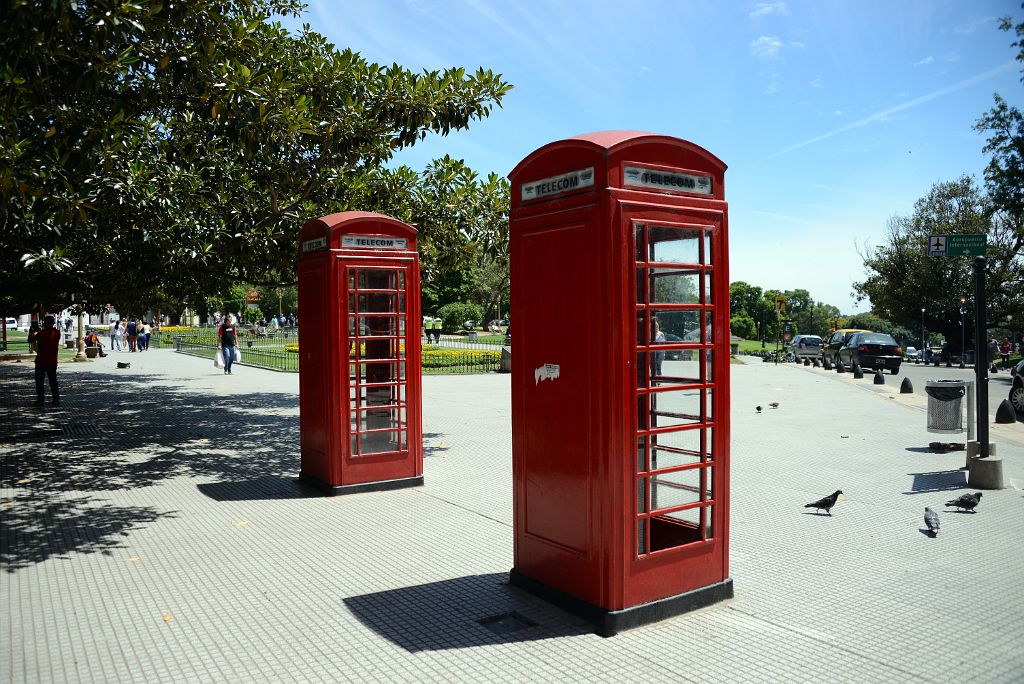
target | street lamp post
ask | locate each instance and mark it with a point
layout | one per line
(963, 350)
(923, 344)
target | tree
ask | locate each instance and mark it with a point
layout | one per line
(743, 326)
(902, 279)
(180, 146)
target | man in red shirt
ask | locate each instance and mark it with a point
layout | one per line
(47, 341)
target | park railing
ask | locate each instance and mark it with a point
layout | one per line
(272, 358)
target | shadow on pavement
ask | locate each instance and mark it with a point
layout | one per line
(448, 614)
(261, 488)
(117, 432)
(939, 481)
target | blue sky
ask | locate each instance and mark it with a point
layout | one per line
(832, 116)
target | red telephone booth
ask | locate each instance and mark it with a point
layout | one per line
(360, 396)
(620, 387)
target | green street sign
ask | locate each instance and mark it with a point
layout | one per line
(956, 245)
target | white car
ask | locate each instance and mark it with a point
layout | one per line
(11, 323)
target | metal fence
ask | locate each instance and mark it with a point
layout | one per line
(271, 358)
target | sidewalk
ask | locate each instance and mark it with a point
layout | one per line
(152, 531)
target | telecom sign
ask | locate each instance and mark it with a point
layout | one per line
(957, 245)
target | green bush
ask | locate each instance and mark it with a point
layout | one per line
(436, 357)
(453, 316)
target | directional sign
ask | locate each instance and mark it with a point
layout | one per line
(956, 245)
(780, 303)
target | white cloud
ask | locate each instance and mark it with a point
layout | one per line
(766, 47)
(817, 82)
(951, 57)
(927, 60)
(972, 26)
(887, 113)
(763, 9)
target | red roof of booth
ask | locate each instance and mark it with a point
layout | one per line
(341, 218)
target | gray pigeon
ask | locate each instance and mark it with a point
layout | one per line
(966, 502)
(931, 521)
(774, 404)
(826, 503)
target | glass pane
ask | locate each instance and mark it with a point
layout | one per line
(678, 326)
(709, 516)
(641, 454)
(355, 444)
(675, 407)
(379, 442)
(638, 237)
(377, 326)
(641, 369)
(690, 516)
(351, 279)
(707, 287)
(401, 280)
(379, 349)
(674, 245)
(709, 453)
(640, 294)
(708, 489)
(384, 302)
(674, 286)
(675, 489)
(708, 337)
(709, 369)
(642, 414)
(641, 537)
(641, 495)
(677, 367)
(672, 449)
(377, 372)
(401, 303)
(709, 404)
(707, 248)
(641, 336)
(377, 279)
(351, 301)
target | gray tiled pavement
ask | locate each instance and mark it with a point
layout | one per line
(152, 531)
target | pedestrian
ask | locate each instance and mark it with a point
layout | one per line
(33, 330)
(122, 334)
(1004, 349)
(144, 336)
(227, 340)
(993, 349)
(437, 330)
(113, 336)
(657, 357)
(47, 341)
(132, 331)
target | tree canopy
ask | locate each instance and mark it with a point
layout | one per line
(152, 149)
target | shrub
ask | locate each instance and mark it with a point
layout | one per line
(436, 357)
(453, 316)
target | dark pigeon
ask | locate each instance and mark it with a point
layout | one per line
(931, 521)
(774, 404)
(758, 408)
(966, 502)
(827, 503)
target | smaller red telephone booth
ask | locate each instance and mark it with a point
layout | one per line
(620, 384)
(359, 343)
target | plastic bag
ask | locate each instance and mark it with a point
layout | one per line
(238, 355)
(218, 360)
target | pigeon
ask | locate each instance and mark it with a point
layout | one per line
(827, 503)
(931, 521)
(774, 404)
(758, 408)
(966, 502)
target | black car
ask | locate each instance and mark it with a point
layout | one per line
(830, 348)
(1017, 389)
(872, 350)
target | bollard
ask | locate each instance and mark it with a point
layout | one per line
(879, 378)
(826, 364)
(839, 366)
(1005, 412)
(815, 363)
(906, 387)
(807, 362)
(858, 373)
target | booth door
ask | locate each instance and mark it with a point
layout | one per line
(674, 474)
(378, 411)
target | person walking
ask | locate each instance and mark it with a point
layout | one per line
(144, 336)
(993, 349)
(33, 330)
(1005, 347)
(47, 342)
(113, 336)
(133, 335)
(227, 340)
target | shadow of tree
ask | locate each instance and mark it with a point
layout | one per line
(35, 529)
(939, 481)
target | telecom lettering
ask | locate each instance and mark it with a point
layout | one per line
(374, 242)
(559, 185)
(668, 179)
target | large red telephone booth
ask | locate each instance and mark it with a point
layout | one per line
(620, 388)
(359, 343)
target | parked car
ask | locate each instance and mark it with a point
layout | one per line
(1017, 389)
(912, 354)
(873, 350)
(804, 347)
(836, 341)
(12, 323)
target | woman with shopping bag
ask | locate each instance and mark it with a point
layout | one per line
(227, 342)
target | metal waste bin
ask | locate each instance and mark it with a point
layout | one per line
(945, 405)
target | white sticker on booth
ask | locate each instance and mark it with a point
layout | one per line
(640, 177)
(372, 242)
(574, 180)
(314, 245)
(549, 371)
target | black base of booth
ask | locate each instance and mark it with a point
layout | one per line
(608, 623)
(381, 486)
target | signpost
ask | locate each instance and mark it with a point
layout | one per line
(973, 245)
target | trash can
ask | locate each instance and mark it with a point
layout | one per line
(945, 405)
